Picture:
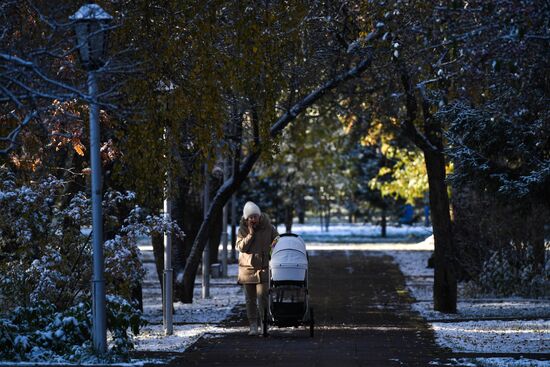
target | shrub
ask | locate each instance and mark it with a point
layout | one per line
(40, 333)
(512, 271)
(46, 269)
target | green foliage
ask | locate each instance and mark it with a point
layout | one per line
(200, 56)
(407, 177)
(309, 162)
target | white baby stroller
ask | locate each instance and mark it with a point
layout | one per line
(288, 300)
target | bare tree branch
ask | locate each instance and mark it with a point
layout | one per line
(12, 136)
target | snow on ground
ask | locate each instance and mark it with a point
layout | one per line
(202, 316)
(527, 331)
(518, 336)
(346, 233)
(192, 320)
(153, 338)
(224, 296)
(509, 362)
(469, 330)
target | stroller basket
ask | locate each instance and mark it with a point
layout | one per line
(288, 314)
(288, 304)
(297, 283)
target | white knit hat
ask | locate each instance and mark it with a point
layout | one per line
(250, 208)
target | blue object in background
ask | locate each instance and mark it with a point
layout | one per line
(408, 214)
(427, 215)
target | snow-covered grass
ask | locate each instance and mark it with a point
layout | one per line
(468, 330)
(509, 362)
(510, 328)
(519, 336)
(224, 295)
(153, 337)
(356, 233)
(191, 320)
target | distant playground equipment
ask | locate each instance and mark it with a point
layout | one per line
(288, 300)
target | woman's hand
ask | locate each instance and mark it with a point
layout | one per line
(250, 228)
(251, 222)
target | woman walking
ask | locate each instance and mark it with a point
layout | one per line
(256, 234)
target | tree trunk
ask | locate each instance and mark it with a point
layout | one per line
(215, 237)
(539, 214)
(288, 217)
(234, 222)
(384, 223)
(237, 133)
(431, 144)
(158, 252)
(327, 217)
(301, 210)
(216, 232)
(187, 212)
(445, 287)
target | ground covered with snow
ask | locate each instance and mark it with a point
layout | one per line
(357, 233)
(191, 320)
(482, 325)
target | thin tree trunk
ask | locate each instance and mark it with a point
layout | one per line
(301, 211)
(538, 214)
(215, 237)
(327, 217)
(237, 133)
(288, 218)
(383, 223)
(233, 228)
(215, 181)
(158, 252)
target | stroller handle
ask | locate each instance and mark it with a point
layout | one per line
(288, 234)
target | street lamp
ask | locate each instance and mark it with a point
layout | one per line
(165, 90)
(90, 25)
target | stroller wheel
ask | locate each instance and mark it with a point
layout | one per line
(311, 322)
(264, 323)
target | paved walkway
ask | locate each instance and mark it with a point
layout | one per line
(362, 314)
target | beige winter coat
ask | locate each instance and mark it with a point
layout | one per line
(254, 251)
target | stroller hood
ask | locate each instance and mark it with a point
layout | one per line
(289, 259)
(289, 241)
